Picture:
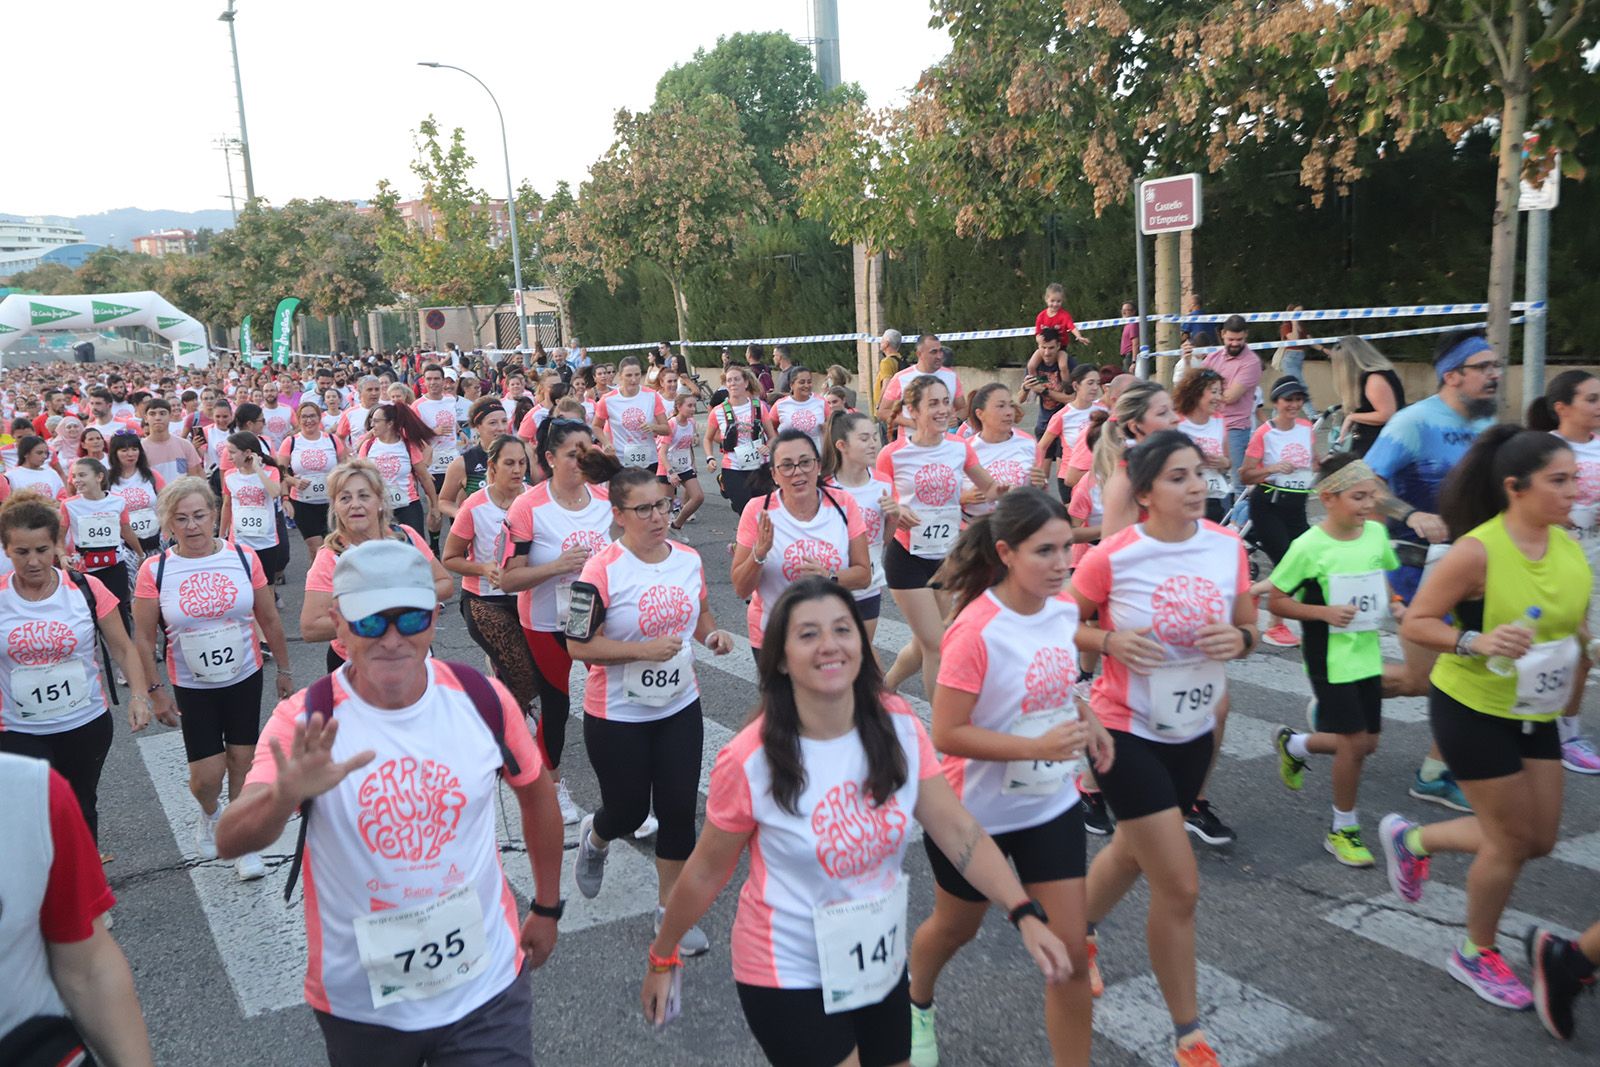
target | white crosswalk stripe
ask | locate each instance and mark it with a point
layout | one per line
(1581, 851)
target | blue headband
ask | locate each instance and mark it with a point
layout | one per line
(1463, 350)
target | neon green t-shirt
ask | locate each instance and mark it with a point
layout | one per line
(1321, 569)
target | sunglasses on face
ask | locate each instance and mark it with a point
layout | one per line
(410, 622)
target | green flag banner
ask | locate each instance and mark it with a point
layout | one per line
(246, 347)
(283, 329)
(105, 312)
(44, 314)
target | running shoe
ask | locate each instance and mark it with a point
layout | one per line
(1346, 847)
(1202, 822)
(1199, 1054)
(249, 867)
(569, 810)
(924, 1044)
(205, 834)
(1311, 715)
(1554, 987)
(1097, 984)
(1096, 816)
(1442, 791)
(647, 828)
(1280, 636)
(1407, 870)
(1579, 756)
(1487, 975)
(590, 869)
(694, 941)
(1291, 768)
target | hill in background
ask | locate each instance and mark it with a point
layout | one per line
(120, 226)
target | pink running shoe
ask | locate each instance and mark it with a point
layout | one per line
(1487, 975)
(1579, 756)
(1280, 636)
(1407, 870)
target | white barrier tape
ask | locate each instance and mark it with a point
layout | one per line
(1303, 342)
(1537, 307)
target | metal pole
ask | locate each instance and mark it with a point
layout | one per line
(1138, 255)
(227, 161)
(238, 88)
(511, 202)
(1536, 287)
(825, 14)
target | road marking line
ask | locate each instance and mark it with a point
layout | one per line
(1288, 677)
(1243, 1023)
(1581, 851)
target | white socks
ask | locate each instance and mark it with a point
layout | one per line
(1297, 746)
(1569, 728)
(1343, 820)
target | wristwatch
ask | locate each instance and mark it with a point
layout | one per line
(1025, 909)
(549, 913)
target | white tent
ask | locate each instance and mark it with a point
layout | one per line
(22, 314)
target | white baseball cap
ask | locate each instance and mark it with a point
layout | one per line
(383, 575)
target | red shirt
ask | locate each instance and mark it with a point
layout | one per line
(77, 892)
(1061, 320)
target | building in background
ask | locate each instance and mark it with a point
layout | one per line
(25, 241)
(418, 214)
(165, 243)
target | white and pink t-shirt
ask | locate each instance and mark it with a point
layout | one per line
(896, 386)
(1270, 445)
(1087, 507)
(394, 463)
(644, 601)
(869, 500)
(208, 608)
(1066, 424)
(824, 539)
(809, 417)
(1017, 666)
(319, 576)
(252, 510)
(536, 519)
(1175, 588)
(675, 450)
(92, 529)
(140, 495)
(41, 480)
(745, 455)
(528, 428)
(1007, 462)
(311, 461)
(353, 426)
(49, 672)
(840, 847)
(279, 424)
(481, 523)
(440, 417)
(927, 479)
(413, 832)
(1212, 437)
(628, 420)
(1584, 522)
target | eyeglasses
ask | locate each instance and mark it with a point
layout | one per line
(1492, 366)
(644, 511)
(799, 466)
(410, 622)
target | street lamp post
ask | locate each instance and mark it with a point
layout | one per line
(238, 88)
(511, 200)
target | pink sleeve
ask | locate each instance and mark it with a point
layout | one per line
(366, 444)
(285, 448)
(258, 576)
(124, 510)
(105, 601)
(594, 572)
(1257, 447)
(342, 427)
(928, 765)
(518, 741)
(280, 728)
(728, 804)
(963, 659)
(747, 523)
(1242, 582)
(415, 453)
(1082, 458)
(884, 468)
(319, 577)
(970, 460)
(661, 407)
(855, 525)
(526, 428)
(462, 526)
(519, 522)
(1055, 423)
(145, 585)
(892, 390)
(161, 483)
(1081, 503)
(417, 541)
(1092, 577)
(600, 409)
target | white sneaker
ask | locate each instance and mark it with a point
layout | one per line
(569, 810)
(646, 828)
(205, 834)
(250, 867)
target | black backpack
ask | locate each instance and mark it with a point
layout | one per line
(107, 674)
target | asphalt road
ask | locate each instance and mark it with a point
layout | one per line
(1302, 961)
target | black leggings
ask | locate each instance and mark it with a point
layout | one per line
(492, 622)
(552, 674)
(739, 487)
(115, 579)
(413, 516)
(1276, 519)
(640, 762)
(77, 755)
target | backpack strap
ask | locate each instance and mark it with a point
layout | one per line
(490, 710)
(319, 701)
(161, 570)
(108, 675)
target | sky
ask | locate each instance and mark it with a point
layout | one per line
(135, 96)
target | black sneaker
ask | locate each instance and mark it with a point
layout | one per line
(1555, 961)
(1096, 816)
(1203, 823)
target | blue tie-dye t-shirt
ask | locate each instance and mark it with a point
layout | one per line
(1417, 448)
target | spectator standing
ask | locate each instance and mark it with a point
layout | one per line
(890, 363)
(1129, 348)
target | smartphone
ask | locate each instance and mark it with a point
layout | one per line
(674, 1000)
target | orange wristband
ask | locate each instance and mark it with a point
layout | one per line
(661, 965)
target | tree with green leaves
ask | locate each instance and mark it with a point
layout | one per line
(772, 83)
(554, 252)
(676, 188)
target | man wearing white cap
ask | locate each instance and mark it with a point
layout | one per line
(415, 951)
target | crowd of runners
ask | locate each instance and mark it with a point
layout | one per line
(1073, 597)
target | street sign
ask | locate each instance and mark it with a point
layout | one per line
(1547, 194)
(435, 319)
(1169, 205)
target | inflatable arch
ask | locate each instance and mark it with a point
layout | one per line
(23, 313)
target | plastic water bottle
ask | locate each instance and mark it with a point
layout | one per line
(1505, 666)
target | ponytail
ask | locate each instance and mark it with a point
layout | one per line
(1563, 389)
(973, 565)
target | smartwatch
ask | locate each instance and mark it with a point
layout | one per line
(1025, 909)
(548, 913)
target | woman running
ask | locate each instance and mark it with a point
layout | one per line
(1570, 409)
(925, 468)
(470, 469)
(1505, 609)
(96, 529)
(93, 446)
(250, 492)
(736, 430)
(801, 410)
(550, 534)
(1198, 400)
(474, 549)
(33, 470)
(822, 787)
(139, 486)
(332, 408)
(631, 417)
(1007, 454)
(206, 596)
(1142, 408)
(798, 529)
(358, 511)
(851, 448)
(1280, 461)
(1170, 594)
(675, 463)
(640, 601)
(397, 444)
(1013, 732)
(310, 454)
(1062, 431)
(51, 688)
